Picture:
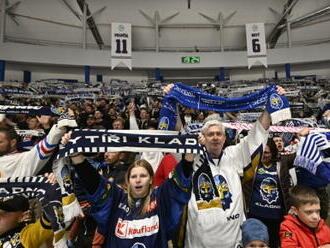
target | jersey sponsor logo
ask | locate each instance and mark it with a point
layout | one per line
(269, 190)
(233, 217)
(129, 229)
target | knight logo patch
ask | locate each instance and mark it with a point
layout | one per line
(58, 111)
(275, 101)
(205, 187)
(224, 192)
(164, 123)
(269, 190)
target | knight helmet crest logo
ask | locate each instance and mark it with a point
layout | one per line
(269, 190)
(275, 101)
(224, 192)
(205, 187)
(164, 123)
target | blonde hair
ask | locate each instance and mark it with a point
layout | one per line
(146, 165)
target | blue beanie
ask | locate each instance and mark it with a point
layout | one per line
(253, 229)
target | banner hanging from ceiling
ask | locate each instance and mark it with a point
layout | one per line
(121, 45)
(256, 44)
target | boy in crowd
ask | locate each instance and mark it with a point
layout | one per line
(304, 228)
(254, 234)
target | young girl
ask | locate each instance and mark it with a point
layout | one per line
(140, 216)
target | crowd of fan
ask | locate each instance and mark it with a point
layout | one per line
(310, 107)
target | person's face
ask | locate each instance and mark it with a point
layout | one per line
(9, 220)
(200, 117)
(144, 114)
(112, 157)
(279, 143)
(117, 125)
(139, 182)
(112, 111)
(309, 214)
(214, 140)
(98, 114)
(6, 146)
(90, 121)
(266, 156)
(33, 123)
(256, 244)
(88, 109)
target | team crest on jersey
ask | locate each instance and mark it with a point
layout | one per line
(67, 182)
(205, 190)
(269, 190)
(224, 192)
(275, 101)
(164, 123)
(138, 245)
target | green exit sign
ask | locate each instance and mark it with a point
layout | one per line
(190, 60)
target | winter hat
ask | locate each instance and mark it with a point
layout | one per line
(253, 229)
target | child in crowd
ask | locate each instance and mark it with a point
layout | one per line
(254, 234)
(304, 227)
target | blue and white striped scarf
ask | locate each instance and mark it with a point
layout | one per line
(94, 141)
(311, 154)
(276, 105)
(47, 193)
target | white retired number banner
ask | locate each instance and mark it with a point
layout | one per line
(256, 44)
(121, 45)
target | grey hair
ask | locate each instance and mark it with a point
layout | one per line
(210, 123)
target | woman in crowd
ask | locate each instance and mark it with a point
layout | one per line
(267, 191)
(140, 216)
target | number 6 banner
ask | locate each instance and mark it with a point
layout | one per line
(121, 45)
(256, 44)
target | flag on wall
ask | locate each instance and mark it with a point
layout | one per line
(256, 44)
(121, 45)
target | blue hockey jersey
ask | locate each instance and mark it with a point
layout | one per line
(123, 226)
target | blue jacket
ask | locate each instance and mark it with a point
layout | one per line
(123, 226)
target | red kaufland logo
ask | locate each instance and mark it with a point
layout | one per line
(137, 228)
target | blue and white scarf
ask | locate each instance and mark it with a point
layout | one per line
(94, 141)
(47, 193)
(276, 105)
(32, 110)
(311, 154)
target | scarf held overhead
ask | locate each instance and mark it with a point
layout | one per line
(94, 141)
(277, 105)
(32, 110)
(313, 154)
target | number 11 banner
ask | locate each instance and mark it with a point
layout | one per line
(121, 45)
(256, 44)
